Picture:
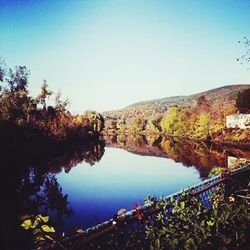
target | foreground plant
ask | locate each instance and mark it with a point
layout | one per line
(220, 221)
(43, 234)
(187, 224)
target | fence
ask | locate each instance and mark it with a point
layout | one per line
(202, 190)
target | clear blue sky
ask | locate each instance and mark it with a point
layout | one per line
(105, 55)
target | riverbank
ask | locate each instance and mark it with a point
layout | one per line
(32, 143)
(237, 138)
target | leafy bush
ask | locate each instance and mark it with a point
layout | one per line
(188, 224)
(20, 108)
(191, 225)
(216, 171)
(41, 231)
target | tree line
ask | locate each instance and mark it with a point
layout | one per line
(18, 107)
(202, 119)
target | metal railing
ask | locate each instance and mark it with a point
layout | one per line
(202, 190)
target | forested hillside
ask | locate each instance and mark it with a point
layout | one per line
(199, 116)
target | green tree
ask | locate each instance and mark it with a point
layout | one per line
(121, 124)
(174, 121)
(154, 123)
(202, 127)
(96, 121)
(169, 120)
(136, 124)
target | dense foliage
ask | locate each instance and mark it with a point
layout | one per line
(191, 225)
(243, 101)
(202, 116)
(55, 121)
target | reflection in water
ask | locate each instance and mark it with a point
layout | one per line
(90, 153)
(120, 179)
(29, 187)
(82, 196)
(39, 190)
(40, 193)
(201, 155)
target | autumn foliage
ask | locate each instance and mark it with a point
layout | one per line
(39, 113)
(201, 116)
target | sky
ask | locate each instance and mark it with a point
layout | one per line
(106, 54)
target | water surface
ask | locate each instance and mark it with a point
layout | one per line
(90, 184)
(119, 180)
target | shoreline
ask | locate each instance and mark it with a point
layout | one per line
(245, 144)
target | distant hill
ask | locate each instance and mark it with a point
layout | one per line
(226, 94)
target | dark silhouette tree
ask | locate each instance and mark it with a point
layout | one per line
(2, 70)
(18, 79)
(45, 92)
(59, 104)
(243, 101)
(203, 103)
(96, 120)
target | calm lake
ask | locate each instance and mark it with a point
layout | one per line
(119, 180)
(88, 187)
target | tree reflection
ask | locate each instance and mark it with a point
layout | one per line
(89, 153)
(30, 186)
(39, 190)
(201, 155)
(41, 193)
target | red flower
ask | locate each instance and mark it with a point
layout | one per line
(138, 212)
(137, 206)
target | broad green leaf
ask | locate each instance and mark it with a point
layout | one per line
(175, 241)
(157, 243)
(26, 224)
(36, 222)
(48, 229)
(44, 218)
(182, 203)
(210, 223)
(39, 238)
